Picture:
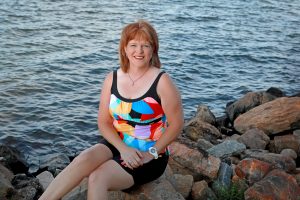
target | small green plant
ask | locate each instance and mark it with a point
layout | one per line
(234, 192)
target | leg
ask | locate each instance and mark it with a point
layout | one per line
(109, 176)
(81, 167)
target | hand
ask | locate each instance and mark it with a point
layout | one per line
(147, 157)
(132, 158)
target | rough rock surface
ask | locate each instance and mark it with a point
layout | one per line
(273, 117)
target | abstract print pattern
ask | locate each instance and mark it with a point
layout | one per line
(140, 123)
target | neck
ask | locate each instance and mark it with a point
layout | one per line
(137, 74)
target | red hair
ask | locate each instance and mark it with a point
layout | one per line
(140, 30)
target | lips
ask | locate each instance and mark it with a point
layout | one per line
(139, 57)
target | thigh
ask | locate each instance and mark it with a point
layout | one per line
(94, 156)
(112, 175)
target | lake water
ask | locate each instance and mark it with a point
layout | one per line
(55, 54)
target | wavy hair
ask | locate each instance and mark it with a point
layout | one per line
(140, 30)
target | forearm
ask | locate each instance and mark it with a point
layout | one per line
(171, 133)
(110, 134)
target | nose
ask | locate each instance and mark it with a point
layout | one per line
(141, 48)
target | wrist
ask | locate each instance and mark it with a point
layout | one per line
(153, 152)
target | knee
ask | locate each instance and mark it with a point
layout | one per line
(88, 156)
(98, 178)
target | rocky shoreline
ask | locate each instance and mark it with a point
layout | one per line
(253, 152)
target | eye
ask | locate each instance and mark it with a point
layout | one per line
(132, 45)
(147, 45)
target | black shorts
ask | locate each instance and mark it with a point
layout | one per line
(145, 173)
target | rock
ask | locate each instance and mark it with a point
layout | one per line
(11, 158)
(201, 191)
(276, 185)
(252, 170)
(195, 161)
(224, 125)
(289, 153)
(286, 142)
(296, 133)
(226, 149)
(234, 137)
(5, 187)
(204, 144)
(205, 115)
(6, 173)
(54, 162)
(254, 139)
(160, 189)
(177, 168)
(182, 184)
(273, 117)
(277, 161)
(224, 177)
(246, 103)
(27, 188)
(196, 129)
(297, 177)
(45, 178)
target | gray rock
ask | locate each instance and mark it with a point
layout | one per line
(226, 149)
(289, 152)
(54, 162)
(12, 159)
(27, 188)
(45, 178)
(224, 177)
(6, 177)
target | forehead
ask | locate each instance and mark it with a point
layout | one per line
(140, 36)
(137, 40)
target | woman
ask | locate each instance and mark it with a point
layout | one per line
(140, 114)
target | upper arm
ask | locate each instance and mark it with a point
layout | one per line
(170, 100)
(103, 113)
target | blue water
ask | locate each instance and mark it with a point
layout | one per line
(54, 56)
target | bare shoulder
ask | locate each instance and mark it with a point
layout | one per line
(165, 81)
(166, 86)
(108, 79)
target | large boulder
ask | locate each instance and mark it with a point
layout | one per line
(273, 117)
(276, 185)
(251, 100)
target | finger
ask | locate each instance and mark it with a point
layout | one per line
(129, 165)
(139, 154)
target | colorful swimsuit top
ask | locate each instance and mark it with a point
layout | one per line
(140, 122)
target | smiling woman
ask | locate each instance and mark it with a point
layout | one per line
(140, 114)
